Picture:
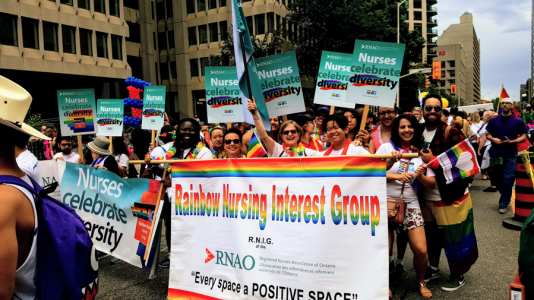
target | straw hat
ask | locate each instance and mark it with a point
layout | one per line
(100, 145)
(14, 105)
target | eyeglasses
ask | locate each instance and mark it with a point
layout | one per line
(229, 142)
(65, 145)
(391, 113)
(289, 131)
(509, 103)
(322, 114)
(436, 108)
(332, 128)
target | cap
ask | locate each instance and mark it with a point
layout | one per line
(302, 120)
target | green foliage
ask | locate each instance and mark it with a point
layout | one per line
(495, 102)
(334, 25)
(34, 120)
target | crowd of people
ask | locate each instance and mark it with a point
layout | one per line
(427, 131)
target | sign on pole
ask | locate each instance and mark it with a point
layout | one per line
(312, 228)
(223, 103)
(109, 117)
(333, 79)
(280, 83)
(153, 107)
(436, 70)
(377, 67)
(77, 110)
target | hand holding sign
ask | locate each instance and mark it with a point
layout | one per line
(251, 106)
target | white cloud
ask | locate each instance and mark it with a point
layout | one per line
(504, 30)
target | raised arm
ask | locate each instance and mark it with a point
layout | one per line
(264, 136)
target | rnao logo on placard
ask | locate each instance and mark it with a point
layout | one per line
(334, 57)
(152, 121)
(369, 92)
(109, 128)
(369, 47)
(233, 260)
(264, 63)
(282, 103)
(228, 111)
(218, 72)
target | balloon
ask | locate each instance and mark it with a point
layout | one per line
(445, 103)
(423, 94)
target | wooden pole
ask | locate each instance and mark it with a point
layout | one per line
(80, 148)
(111, 144)
(228, 126)
(364, 117)
(153, 137)
(284, 117)
(155, 214)
(332, 109)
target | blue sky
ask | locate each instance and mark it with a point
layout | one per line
(504, 30)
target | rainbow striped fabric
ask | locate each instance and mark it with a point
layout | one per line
(255, 149)
(457, 230)
(305, 167)
(459, 162)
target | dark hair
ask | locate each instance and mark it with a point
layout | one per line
(445, 113)
(418, 133)
(168, 138)
(341, 121)
(236, 131)
(356, 115)
(21, 139)
(63, 138)
(435, 96)
(454, 111)
(195, 137)
(310, 111)
(118, 146)
(217, 128)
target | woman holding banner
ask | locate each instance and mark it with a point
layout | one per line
(404, 176)
(233, 139)
(336, 128)
(290, 133)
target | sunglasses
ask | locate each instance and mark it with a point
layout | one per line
(322, 114)
(229, 142)
(436, 108)
(289, 131)
(65, 145)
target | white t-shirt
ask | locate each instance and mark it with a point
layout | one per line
(159, 152)
(29, 164)
(205, 153)
(428, 136)
(422, 121)
(449, 120)
(483, 132)
(72, 157)
(353, 150)
(394, 188)
(474, 128)
(124, 161)
(431, 195)
(278, 151)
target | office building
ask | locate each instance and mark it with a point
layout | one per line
(422, 17)
(464, 34)
(171, 40)
(63, 44)
(453, 66)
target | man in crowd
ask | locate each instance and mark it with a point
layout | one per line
(505, 131)
(66, 154)
(26, 161)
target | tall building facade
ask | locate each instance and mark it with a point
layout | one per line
(171, 41)
(465, 35)
(63, 44)
(422, 17)
(453, 61)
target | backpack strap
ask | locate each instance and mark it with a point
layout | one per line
(8, 179)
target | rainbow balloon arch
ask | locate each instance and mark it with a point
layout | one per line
(135, 101)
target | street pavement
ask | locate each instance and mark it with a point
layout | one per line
(488, 278)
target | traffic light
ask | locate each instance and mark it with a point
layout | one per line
(453, 89)
(436, 70)
(427, 82)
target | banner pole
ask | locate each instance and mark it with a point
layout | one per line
(364, 117)
(80, 148)
(228, 126)
(154, 270)
(284, 117)
(332, 109)
(153, 138)
(111, 144)
(155, 212)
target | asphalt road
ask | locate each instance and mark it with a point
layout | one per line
(488, 278)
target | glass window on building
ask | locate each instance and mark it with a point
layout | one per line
(114, 8)
(443, 64)
(452, 73)
(102, 44)
(418, 27)
(171, 39)
(203, 34)
(201, 4)
(152, 7)
(86, 42)
(192, 34)
(168, 4)
(193, 64)
(452, 63)
(8, 30)
(212, 4)
(284, 28)
(190, 6)
(99, 6)
(278, 22)
(157, 73)
(116, 46)
(69, 39)
(204, 63)
(160, 10)
(417, 4)
(260, 24)
(250, 24)
(452, 81)
(162, 41)
(135, 32)
(30, 33)
(417, 16)
(85, 4)
(442, 74)
(246, 1)
(214, 33)
(173, 69)
(224, 30)
(155, 40)
(164, 69)
(270, 22)
(50, 31)
(127, 3)
(222, 3)
(66, 2)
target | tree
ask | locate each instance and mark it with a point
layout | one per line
(34, 120)
(495, 102)
(334, 25)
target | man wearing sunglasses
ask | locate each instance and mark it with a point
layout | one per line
(504, 132)
(435, 142)
(66, 154)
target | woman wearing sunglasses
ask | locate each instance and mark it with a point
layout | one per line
(382, 133)
(401, 185)
(290, 133)
(232, 144)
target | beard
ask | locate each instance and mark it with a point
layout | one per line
(66, 151)
(438, 120)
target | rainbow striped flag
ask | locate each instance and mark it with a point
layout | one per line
(459, 162)
(255, 148)
(457, 230)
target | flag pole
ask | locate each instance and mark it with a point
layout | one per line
(245, 65)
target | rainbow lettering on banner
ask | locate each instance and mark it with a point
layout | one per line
(151, 112)
(364, 80)
(217, 102)
(143, 213)
(80, 121)
(332, 85)
(104, 122)
(278, 92)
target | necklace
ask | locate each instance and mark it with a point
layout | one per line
(345, 149)
(299, 151)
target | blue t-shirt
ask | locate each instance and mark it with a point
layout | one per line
(501, 128)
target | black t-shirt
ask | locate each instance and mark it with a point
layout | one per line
(111, 164)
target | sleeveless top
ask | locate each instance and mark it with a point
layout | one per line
(25, 287)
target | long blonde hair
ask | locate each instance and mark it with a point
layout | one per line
(466, 130)
(475, 117)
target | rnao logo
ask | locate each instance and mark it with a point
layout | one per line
(336, 95)
(334, 57)
(218, 72)
(231, 260)
(369, 92)
(369, 47)
(67, 93)
(152, 120)
(264, 63)
(228, 111)
(282, 103)
(109, 128)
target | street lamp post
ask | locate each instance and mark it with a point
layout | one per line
(398, 42)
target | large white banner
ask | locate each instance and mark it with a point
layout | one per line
(280, 228)
(51, 171)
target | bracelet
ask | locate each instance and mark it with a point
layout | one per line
(366, 146)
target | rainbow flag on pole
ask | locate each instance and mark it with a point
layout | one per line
(459, 162)
(255, 148)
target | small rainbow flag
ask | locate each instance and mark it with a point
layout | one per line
(255, 148)
(459, 162)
